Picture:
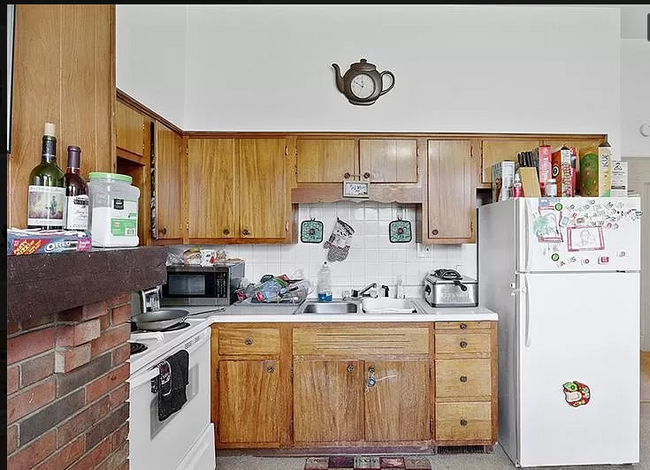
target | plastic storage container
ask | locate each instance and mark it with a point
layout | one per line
(113, 210)
(324, 284)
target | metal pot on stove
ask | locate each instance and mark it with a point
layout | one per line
(448, 288)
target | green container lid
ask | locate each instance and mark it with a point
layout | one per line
(98, 175)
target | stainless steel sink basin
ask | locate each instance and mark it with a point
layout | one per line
(328, 308)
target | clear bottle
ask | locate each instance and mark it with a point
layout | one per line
(324, 283)
(75, 214)
(550, 188)
(399, 290)
(517, 190)
(46, 194)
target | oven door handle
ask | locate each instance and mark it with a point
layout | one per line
(138, 380)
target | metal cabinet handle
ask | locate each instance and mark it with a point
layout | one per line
(434, 231)
(371, 381)
(366, 175)
(463, 326)
(245, 232)
(270, 369)
(164, 231)
(463, 378)
(248, 341)
(350, 368)
(346, 175)
(463, 422)
(226, 231)
(463, 344)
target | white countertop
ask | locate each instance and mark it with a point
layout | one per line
(285, 313)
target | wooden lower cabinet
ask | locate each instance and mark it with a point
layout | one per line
(380, 386)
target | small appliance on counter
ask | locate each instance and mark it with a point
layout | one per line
(448, 288)
(203, 285)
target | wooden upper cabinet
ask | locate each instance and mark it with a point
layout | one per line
(168, 186)
(325, 160)
(130, 129)
(212, 190)
(583, 145)
(388, 160)
(496, 150)
(264, 204)
(450, 206)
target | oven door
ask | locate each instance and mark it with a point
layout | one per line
(162, 445)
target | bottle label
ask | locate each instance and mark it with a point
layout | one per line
(75, 216)
(46, 206)
(118, 220)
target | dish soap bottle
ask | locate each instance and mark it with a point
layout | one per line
(324, 284)
(399, 294)
(517, 190)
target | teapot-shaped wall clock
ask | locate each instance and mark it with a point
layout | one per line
(362, 84)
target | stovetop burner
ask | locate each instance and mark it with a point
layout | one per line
(137, 348)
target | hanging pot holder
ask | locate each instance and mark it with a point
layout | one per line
(311, 231)
(399, 231)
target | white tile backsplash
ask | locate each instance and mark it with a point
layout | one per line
(372, 257)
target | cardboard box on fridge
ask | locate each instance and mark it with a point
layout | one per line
(503, 175)
(561, 170)
(619, 179)
(544, 165)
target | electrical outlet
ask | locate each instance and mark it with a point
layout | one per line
(424, 251)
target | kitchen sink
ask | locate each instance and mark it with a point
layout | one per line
(328, 308)
(387, 305)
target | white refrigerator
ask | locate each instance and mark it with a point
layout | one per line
(563, 276)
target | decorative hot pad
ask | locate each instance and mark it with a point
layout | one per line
(400, 231)
(374, 462)
(311, 231)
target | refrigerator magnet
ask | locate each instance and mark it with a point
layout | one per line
(311, 231)
(576, 393)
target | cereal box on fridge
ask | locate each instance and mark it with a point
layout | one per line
(34, 241)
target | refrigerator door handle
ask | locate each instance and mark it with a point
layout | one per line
(528, 339)
(526, 244)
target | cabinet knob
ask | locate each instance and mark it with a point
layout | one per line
(226, 231)
(463, 378)
(346, 175)
(248, 341)
(366, 175)
(350, 368)
(270, 369)
(164, 231)
(463, 326)
(463, 422)
(245, 232)
(463, 344)
(434, 231)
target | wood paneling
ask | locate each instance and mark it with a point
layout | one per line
(389, 160)
(170, 174)
(236, 341)
(496, 150)
(325, 160)
(63, 73)
(130, 129)
(461, 422)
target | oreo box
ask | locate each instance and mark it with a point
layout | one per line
(36, 241)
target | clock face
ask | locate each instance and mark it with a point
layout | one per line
(362, 86)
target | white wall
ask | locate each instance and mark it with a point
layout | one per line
(150, 56)
(635, 97)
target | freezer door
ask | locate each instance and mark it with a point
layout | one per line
(578, 369)
(579, 234)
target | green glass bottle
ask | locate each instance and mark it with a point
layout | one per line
(46, 187)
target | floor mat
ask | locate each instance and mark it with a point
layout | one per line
(354, 462)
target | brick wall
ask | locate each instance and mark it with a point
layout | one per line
(66, 389)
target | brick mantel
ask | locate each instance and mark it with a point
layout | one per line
(39, 285)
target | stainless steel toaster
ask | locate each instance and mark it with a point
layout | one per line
(448, 288)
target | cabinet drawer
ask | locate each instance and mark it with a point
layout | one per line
(463, 343)
(463, 421)
(463, 325)
(359, 341)
(235, 341)
(463, 378)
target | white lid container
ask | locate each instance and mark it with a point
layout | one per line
(113, 210)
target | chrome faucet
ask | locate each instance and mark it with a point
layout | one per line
(362, 292)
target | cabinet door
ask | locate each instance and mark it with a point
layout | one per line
(168, 188)
(325, 160)
(263, 197)
(496, 150)
(130, 130)
(397, 403)
(388, 160)
(451, 204)
(327, 401)
(249, 402)
(212, 190)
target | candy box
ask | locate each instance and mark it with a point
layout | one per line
(35, 241)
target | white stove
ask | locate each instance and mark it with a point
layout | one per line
(185, 439)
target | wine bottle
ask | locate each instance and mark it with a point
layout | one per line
(75, 213)
(46, 187)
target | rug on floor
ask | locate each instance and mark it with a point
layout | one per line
(371, 462)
